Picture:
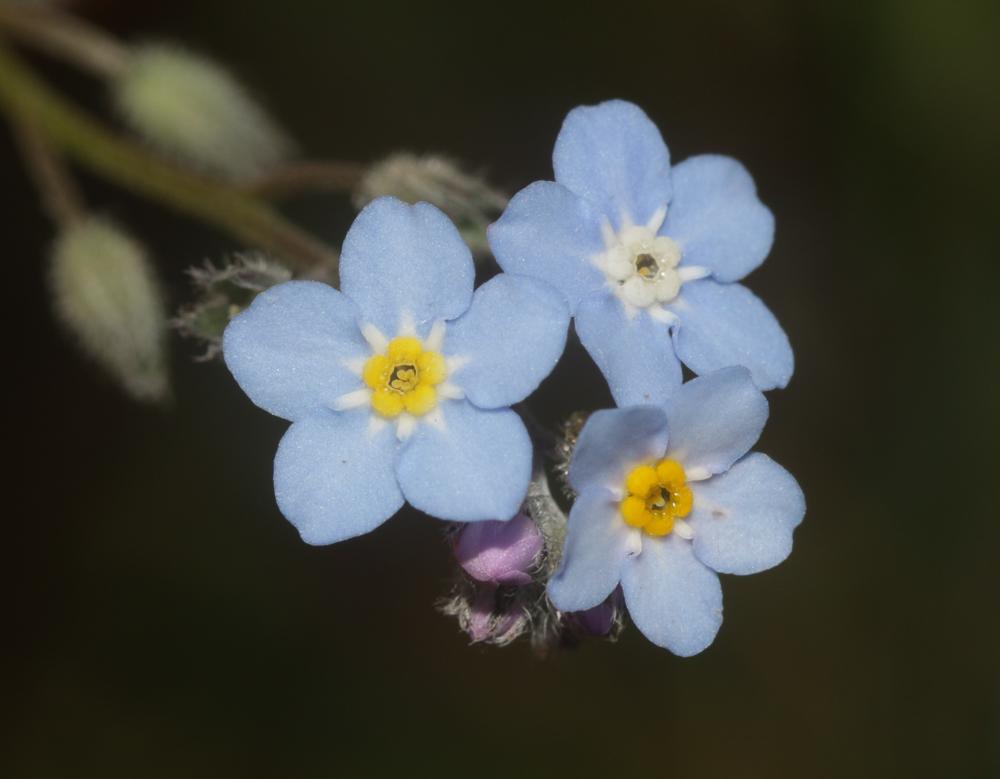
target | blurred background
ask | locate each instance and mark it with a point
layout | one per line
(167, 621)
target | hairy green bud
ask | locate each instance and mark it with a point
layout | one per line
(190, 108)
(468, 199)
(105, 292)
(221, 293)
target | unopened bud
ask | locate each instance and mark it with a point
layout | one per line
(221, 293)
(500, 552)
(604, 619)
(106, 293)
(490, 621)
(468, 199)
(191, 108)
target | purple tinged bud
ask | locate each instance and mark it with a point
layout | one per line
(499, 552)
(599, 620)
(484, 623)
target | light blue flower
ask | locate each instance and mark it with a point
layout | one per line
(668, 498)
(647, 254)
(398, 386)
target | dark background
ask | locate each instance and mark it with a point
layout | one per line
(166, 621)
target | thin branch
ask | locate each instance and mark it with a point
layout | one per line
(311, 175)
(130, 165)
(64, 37)
(56, 188)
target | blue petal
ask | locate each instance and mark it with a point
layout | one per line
(288, 350)
(612, 442)
(551, 234)
(726, 324)
(333, 476)
(613, 155)
(635, 354)
(597, 544)
(400, 258)
(743, 520)
(715, 419)
(717, 218)
(474, 466)
(672, 598)
(512, 337)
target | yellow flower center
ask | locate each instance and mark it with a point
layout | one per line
(657, 496)
(404, 378)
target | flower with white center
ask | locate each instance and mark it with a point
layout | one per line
(668, 498)
(399, 385)
(647, 255)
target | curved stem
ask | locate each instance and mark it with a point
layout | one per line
(311, 175)
(65, 37)
(60, 197)
(128, 164)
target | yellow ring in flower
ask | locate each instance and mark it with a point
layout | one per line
(404, 378)
(657, 496)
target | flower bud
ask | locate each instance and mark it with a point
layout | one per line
(500, 552)
(489, 621)
(105, 292)
(601, 620)
(469, 200)
(191, 108)
(222, 293)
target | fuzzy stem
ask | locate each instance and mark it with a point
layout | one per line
(545, 511)
(58, 192)
(311, 175)
(128, 164)
(65, 37)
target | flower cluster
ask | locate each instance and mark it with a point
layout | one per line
(400, 387)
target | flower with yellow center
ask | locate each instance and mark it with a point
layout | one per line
(657, 497)
(405, 378)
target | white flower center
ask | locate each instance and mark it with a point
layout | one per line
(642, 267)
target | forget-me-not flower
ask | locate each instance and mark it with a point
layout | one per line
(668, 498)
(398, 386)
(647, 254)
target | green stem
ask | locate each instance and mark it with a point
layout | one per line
(128, 164)
(65, 37)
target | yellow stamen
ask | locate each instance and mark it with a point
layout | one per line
(657, 496)
(403, 379)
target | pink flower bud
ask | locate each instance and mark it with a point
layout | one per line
(499, 552)
(599, 620)
(485, 623)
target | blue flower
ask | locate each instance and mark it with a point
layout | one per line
(647, 254)
(398, 386)
(668, 498)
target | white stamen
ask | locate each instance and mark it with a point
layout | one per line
(456, 362)
(378, 342)
(355, 365)
(376, 424)
(355, 399)
(692, 273)
(406, 325)
(667, 252)
(661, 314)
(698, 473)
(667, 287)
(405, 426)
(683, 529)
(638, 292)
(634, 544)
(642, 267)
(656, 220)
(435, 338)
(608, 234)
(450, 391)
